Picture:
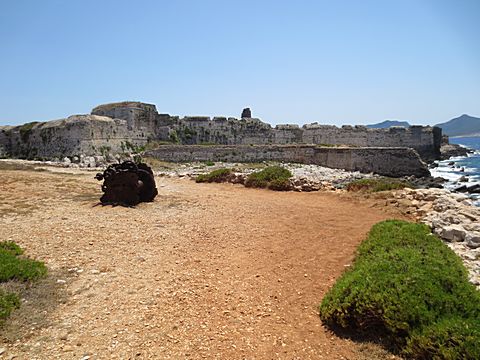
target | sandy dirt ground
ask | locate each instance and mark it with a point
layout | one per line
(206, 271)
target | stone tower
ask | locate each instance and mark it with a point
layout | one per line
(246, 113)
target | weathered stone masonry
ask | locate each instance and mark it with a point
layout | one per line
(123, 126)
(394, 162)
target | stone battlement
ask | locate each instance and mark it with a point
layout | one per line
(110, 127)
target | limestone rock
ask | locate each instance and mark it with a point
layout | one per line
(473, 240)
(452, 233)
(99, 160)
(450, 150)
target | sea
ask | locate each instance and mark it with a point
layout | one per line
(470, 165)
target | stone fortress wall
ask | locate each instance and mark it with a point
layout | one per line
(121, 127)
(395, 162)
(197, 130)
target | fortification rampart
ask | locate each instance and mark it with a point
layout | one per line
(75, 135)
(193, 130)
(121, 126)
(426, 140)
(393, 162)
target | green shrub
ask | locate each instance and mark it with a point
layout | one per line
(14, 267)
(451, 338)
(272, 177)
(219, 175)
(403, 280)
(282, 184)
(11, 247)
(173, 137)
(8, 302)
(375, 185)
(209, 163)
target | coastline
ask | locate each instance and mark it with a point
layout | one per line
(465, 136)
(461, 172)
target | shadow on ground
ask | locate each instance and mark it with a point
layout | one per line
(374, 344)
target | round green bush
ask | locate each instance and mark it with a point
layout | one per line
(403, 279)
(218, 176)
(272, 177)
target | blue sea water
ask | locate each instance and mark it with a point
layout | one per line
(470, 165)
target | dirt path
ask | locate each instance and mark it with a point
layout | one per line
(206, 271)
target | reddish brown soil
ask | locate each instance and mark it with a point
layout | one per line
(214, 271)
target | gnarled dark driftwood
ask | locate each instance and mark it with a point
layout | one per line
(127, 184)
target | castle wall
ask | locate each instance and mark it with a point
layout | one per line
(111, 126)
(138, 115)
(76, 135)
(201, 130)
(5, 142)
(424, 139)
(389, 161)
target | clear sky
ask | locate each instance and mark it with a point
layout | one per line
(334, 62)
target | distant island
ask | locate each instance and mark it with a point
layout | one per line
(388, 123)
(464, 125)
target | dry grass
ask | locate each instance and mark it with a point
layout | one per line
(38, 301)
(159, 165)
(20, 165)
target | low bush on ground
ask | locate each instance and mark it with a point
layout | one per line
(219, 175)
(272, 177)
(375, 185)
(406, 284)
(11, 247)
(15, 267)
(8, 303)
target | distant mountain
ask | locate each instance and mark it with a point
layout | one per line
(462, 126)
(388, 123)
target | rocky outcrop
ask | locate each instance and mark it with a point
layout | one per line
(453, 150)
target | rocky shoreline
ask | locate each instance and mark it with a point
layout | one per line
(448, 151)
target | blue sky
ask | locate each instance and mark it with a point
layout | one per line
(334, 62)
